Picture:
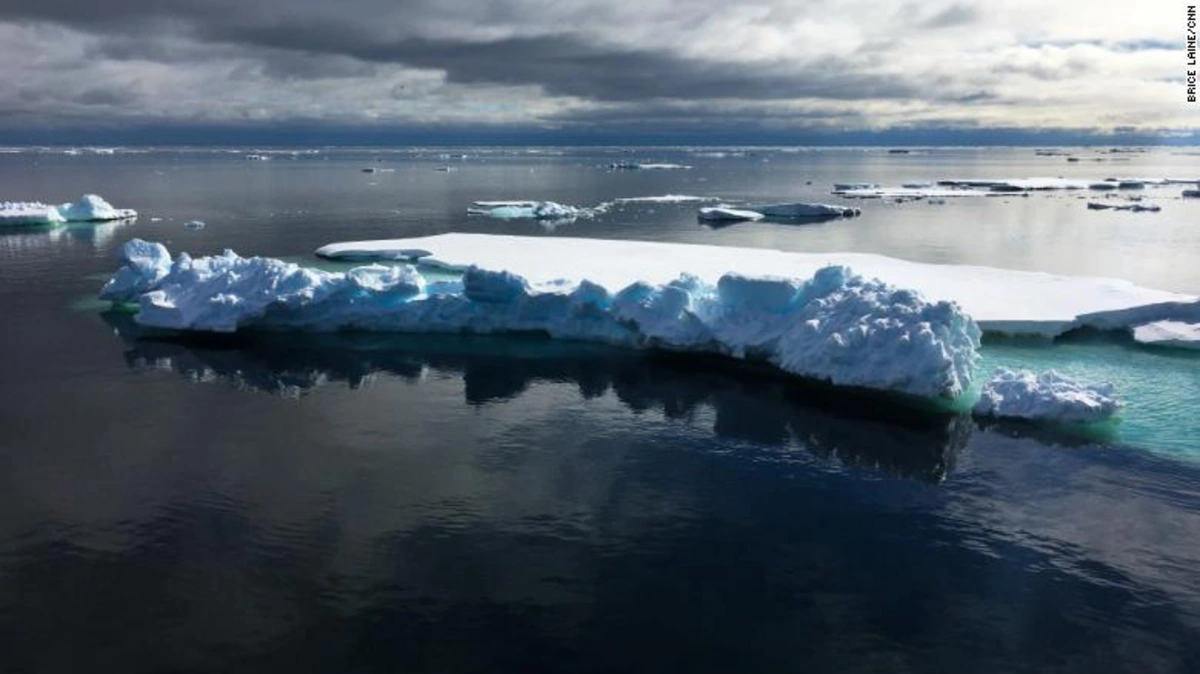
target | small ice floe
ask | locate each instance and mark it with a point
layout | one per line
(801, 210)
(376, 169)
(1169, 333)
(910, 191)
(537, 210)
(1135, 207)
(194, 224)
(843, 187)
(258, 157)
(1049, 396)
(664, 199)
(727, 213)
(89, 208)
(645, 166)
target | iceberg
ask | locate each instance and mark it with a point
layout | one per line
(1000, 300)
(1176, 334)
(92, 208)
(836, 326)
(1050, 396)
(89, 208)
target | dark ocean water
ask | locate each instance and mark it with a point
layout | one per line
(401, 504)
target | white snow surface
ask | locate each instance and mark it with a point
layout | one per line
(835, 326)
(89, 208)
(1049, 396)
(1000, 300)
(1169, 333)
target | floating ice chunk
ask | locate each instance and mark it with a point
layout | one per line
(258, 157)
(1050, 396)
(727, 213)
(1021, 184)
(1001, 300)
(92, 208)
(642, 166)
(836, 326)
(1135, 207)
(538, 210)
(194, 224)
(1169, 333)
(841, 187)
(144, 265)
(19, 213)
(801, 210)
(89, 208)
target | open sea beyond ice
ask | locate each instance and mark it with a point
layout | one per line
(449, 504)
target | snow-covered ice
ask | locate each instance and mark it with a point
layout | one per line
(1177, 334)
(538, 210)
(835, 326)
(18, 213)
(89, 208)
(1000, 300)
(1049, 396)
(727, 213)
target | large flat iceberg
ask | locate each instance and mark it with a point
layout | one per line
(1000, 300)
(89, 208)
(833, 325)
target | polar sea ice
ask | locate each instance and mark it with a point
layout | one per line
(89, 208)
(833, 325)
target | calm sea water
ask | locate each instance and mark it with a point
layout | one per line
(389, 503)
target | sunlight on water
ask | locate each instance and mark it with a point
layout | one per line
(1159, 386)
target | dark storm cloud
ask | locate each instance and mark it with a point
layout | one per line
(565, 63)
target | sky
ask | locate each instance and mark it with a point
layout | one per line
(574, 72)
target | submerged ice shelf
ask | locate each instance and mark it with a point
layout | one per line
(833, 325)
(1000, 300)
(89, 208)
